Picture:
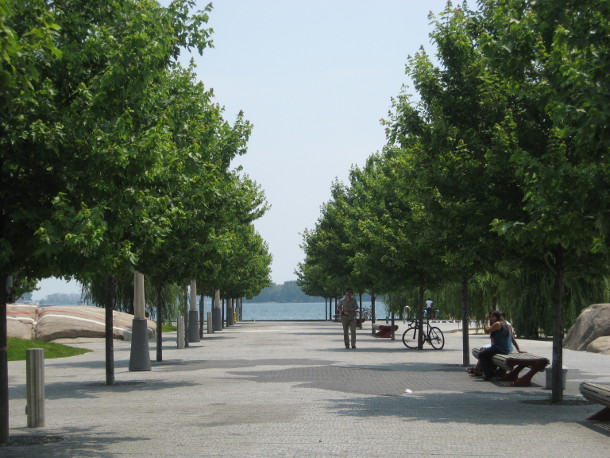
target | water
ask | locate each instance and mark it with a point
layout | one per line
(306, 311)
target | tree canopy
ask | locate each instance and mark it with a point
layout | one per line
(494, 176)
(114, 158)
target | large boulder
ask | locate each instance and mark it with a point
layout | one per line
(600, 345)
(20, 319)
(59, 322)
(593, 324)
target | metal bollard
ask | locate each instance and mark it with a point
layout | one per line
(210, 323)
(180, 329)
(34, 359)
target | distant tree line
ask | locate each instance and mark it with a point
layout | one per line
(62, 299)
(287, 292)
(290, 291)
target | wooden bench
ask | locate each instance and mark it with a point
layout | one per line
(383, 331)
(599, 394)
(510, 365)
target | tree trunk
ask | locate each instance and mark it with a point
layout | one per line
(201, 317)
(109, 305)
(420, 318)
(223, 316)
(186, 316)
(465, 323)
(4, 411)
(558, 300)
(159, 323)
(373, 313)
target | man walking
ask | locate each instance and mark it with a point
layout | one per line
(347, 308)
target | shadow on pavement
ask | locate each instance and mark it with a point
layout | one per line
(76, 442)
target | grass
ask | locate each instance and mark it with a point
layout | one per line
(17, 349)
(168, 327)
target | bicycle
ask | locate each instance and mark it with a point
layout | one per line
(432, 335)
(367, 314)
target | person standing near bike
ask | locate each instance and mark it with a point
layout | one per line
(428, 311)
(347, 309)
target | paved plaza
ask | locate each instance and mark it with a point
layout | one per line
(291, 389)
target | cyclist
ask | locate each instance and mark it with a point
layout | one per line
(429, 304)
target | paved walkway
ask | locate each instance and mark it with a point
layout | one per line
(291, 389)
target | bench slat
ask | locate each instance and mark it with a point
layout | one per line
(599, 394)
(596, 393)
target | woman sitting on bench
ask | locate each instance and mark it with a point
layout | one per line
(501, 335)
(476, 369)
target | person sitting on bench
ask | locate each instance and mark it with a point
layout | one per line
(501, 335)
(476, 370)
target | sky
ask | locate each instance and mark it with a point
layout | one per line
(315, 78)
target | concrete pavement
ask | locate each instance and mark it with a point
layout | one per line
(279, 389)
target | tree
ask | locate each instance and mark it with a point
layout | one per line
(457, 127)
(102, 222)
(551, 54)
(193, 176)
(328, 249)
(74, 140)
(246, 266)
(28, 36)
(396, 232)
(240, 263)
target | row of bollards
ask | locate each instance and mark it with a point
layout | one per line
(35, 407)
(180, 329)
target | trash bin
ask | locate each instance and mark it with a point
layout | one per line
(549, 376)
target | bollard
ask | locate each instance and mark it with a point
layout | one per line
(193, 326)
(35, 387)
(549, 376)
(217, 319)
(210, 323)
(230, 317)
(139, 357)
(180, 329)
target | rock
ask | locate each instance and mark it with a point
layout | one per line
(600, 345)
(20, 319)
(592, 323)
(59, 322)
(19, 329)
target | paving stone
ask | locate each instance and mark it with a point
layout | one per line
(290, 389)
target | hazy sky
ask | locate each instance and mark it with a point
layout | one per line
(314, 77)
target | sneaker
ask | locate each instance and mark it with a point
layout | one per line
(353, 346)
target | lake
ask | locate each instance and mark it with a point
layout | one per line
(297, 311)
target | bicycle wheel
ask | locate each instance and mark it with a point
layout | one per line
(437, 339)
(409, 337)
